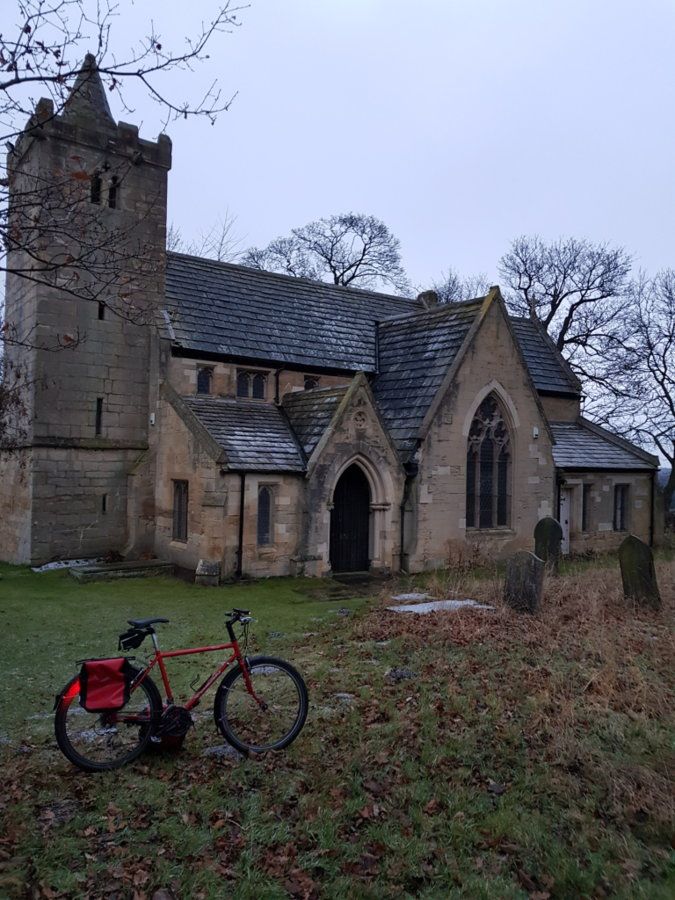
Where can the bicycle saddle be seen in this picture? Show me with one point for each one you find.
(144, 623)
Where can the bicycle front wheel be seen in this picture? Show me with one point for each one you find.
(270, 714)
(99, 741)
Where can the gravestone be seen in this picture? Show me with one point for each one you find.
(524, 582)
(638, 573)
(547, 541)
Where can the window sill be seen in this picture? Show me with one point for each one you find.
(500, 530)
(181, 545)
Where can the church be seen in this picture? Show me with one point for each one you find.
(273, 425)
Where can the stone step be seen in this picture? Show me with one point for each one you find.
(137, 568)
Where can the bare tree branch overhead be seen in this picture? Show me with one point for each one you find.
(348, 249)
(452, 288)
(220, 242)
(60, 60)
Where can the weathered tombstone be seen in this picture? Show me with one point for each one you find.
(638, 573)
(524, 581)
(207, 573)
(547, 541)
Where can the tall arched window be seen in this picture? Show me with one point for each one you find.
(264, 516)
(488, 468)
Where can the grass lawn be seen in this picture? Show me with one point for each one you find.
(525, 757)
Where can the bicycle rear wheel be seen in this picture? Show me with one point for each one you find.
(96, 742)
(271, 717)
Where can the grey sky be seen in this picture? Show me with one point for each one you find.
(460, 123)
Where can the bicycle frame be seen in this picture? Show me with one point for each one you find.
(160, 656)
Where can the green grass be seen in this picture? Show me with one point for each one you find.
(49, 620)
(527, 758)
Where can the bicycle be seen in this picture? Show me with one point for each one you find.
(260, 705)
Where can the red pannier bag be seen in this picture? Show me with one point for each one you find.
(105, 684)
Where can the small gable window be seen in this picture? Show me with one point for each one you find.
(311, 382)
(95, 188)
(204, 379)
(251, 384)
(488, 468)
(113, 192)
(264, 516)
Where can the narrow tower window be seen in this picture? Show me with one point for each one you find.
(95, 188)
(99, 416)
(104, 504)
(113, 192)
(101, 311)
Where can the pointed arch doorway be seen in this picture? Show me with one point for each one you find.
(350, 522)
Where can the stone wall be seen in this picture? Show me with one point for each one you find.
(182, 374)
(600, 535)
(561, 409)
(15, 506)
(71, 517)
(100, 314)
(214, 506)
(436, 518)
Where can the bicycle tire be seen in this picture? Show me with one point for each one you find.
(93, 741)
(243, 722)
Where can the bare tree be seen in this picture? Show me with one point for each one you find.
(647, 414)
(349, 249)
(220, 242)
(575, 288)
(43, 52)
(452, 288)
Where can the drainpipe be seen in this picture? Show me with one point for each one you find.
(411, 470)
(240, 548)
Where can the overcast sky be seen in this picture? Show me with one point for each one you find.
(460, 123)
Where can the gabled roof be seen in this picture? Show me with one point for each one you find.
(311, 412)
(584, 445)
(548, 370)
(247, 313)
(415, 354)
(255, 436)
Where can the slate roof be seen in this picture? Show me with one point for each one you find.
(311, 412)
(415, 353)
(255, 436)
(584, 445)
(549, 372)
(232, 310)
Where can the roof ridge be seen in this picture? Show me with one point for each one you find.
(266, 273)
(444, 308)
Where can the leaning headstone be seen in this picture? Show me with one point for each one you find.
(638, 573)
(548, 541)
(524, 582)
(207, 573)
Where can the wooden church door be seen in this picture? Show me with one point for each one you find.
(350, 522)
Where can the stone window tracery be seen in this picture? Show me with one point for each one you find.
(488, 468)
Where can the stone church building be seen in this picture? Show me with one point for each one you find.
(277, 425)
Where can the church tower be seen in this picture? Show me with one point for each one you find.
(86, 278)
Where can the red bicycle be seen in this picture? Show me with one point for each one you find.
(261, 703)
